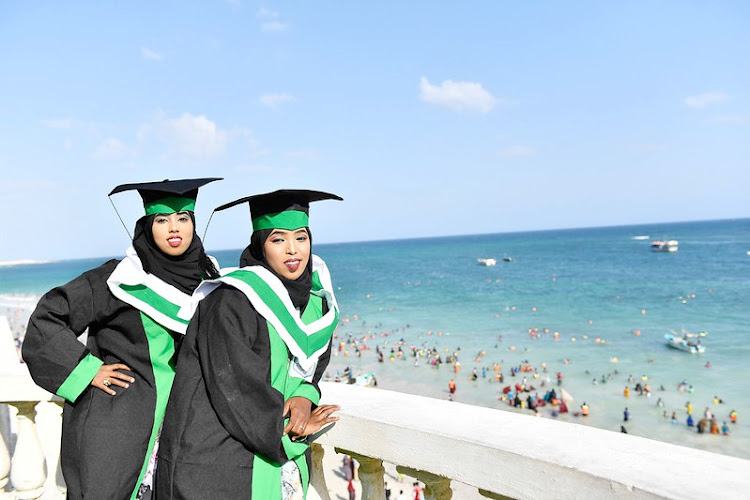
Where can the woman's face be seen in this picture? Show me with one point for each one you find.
(287, 252)
(173, 233)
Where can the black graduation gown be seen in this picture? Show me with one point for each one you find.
(104, 438)
(222, 409)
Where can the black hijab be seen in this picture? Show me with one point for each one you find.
(299, 289)
(185, 271)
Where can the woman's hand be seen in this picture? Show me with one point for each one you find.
(320, 417)
(299, 413)
(108, 376)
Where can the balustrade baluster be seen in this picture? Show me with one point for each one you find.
(28, 470)
(4, 453)
(59, 479)
(435, 487)
(317, 474)
(493, 496)
(371, 476)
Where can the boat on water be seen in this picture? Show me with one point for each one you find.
(363, 380)
(688, 342)
(486, 262)
(641, 237)
(507, 259)
(664, 246)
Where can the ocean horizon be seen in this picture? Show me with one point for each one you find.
(591, 303)
(22, 261)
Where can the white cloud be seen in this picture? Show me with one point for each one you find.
(273, 100)
(266, 13)
(196, 136)
(518, 151)
(273, 26)
(110, 150)
(151, 55)
(458, 96)
(62, 123)
(188, 136)
(701, 101)
(270, 20)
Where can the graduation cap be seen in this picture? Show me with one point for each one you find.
(287, 209)
(167, 196)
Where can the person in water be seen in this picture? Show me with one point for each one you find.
(246, 389)
(116, 385)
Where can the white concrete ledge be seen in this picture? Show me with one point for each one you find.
(522, 456)
(21, 388)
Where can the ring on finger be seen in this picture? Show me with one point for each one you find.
(106, 382)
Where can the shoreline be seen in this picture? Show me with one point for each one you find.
(22, 262)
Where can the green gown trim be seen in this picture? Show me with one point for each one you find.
(79, 378)
(152, 298)
(266, 473)
(161, 351)
(86, 370)
(308, 344)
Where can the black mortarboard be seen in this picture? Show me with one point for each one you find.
(283, 209)
(167, 196)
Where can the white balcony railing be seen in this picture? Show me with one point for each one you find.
(502, 454)
(509, 455)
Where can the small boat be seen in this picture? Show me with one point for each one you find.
(507, 259)
(688, 342)
(664, 246)
(347, 377)
(641, 237)
(486, 262)
(365, 380)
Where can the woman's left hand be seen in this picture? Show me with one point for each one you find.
(299, 413)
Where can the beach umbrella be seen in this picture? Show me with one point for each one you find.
(565, 396)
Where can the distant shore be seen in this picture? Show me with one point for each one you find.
(22, 262)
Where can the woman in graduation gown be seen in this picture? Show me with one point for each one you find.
(244, 399)
(116, 386)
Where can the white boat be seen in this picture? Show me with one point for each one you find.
(664, 246)
(364, 380)
(641, 237)
(688, 342)
(486, 262)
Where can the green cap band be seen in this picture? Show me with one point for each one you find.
(288, 219)
(170, 205)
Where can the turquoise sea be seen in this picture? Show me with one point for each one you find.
(608, 297)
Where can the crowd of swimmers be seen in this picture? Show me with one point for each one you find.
(521, 394)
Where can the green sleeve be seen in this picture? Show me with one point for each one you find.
(79, 378)
(305, 390)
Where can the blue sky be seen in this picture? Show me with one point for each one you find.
(429, 118)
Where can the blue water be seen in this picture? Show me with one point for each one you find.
(584, 284)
